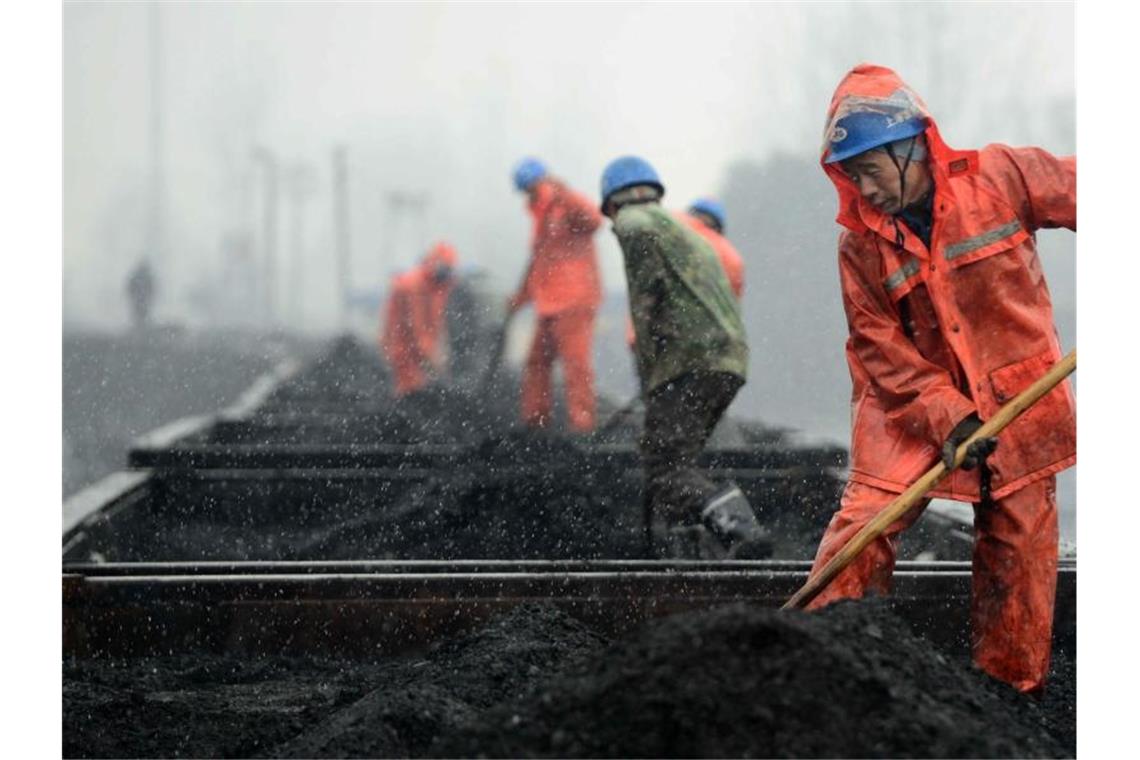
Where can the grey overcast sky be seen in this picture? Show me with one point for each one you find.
(443, 98)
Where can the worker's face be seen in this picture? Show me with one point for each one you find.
(879, 180)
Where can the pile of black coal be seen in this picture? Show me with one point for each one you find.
(345, 374)
(200, 705)
(734, 681)
(741, 681)
(451, 685)
(229, 706)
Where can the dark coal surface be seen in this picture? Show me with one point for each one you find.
(735, 681)
(345, 374)
(344, 396)
(451, 685)
(310, 707)
(523, 495)
(742, 681)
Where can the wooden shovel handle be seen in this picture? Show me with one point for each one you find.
(909, 498)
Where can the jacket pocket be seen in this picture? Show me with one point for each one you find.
(1012, 379)
(1042, 435)
(997, 239)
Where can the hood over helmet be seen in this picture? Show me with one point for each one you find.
(873, 90)
(441, 254)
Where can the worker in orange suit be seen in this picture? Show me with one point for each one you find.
(414, 322)
(563, 282)
(706, 216)
(949, 317)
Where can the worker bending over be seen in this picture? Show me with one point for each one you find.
(414, 320)
(949, 317)
(562, 281)
(692, 359)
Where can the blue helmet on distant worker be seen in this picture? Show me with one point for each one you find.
(712, 208)
(527, 172)
(628, 171)
(861, 131)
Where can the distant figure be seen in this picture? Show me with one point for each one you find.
(140, 292)
(563, 282)
(415, 320)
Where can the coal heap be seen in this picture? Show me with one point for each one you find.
(735, 681)
(742, 681)
(226, 706)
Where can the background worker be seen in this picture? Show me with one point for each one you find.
(563, 282)
(692, 357)
(140, 292)
(414, 320)
(706, 216)
(949, 317)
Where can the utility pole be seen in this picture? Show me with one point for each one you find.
(398, 204)
(269, 234)
(341, 225)
(154, 238)
(301, 184)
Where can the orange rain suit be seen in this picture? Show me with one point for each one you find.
(414, 322)
(564, 284)
(936, 335)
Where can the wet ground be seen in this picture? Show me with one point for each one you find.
(119, 386)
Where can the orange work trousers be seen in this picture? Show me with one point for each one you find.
(1014, 573)
(567, 336)
(408, 372)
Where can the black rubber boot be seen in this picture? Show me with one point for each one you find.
(730, 518)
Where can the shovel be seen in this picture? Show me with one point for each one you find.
(496, 354)
(917, 492)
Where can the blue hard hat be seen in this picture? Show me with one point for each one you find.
(628, 171)
(860, 131)
(708, 206)
(527, 172)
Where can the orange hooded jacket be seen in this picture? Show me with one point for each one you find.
(414, 321)
(563, 271)
(980, 325)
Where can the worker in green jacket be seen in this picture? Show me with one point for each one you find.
(692, 358)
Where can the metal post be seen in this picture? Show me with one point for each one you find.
(155, 242)
(269, 239)
(340, 222)
(300, 189)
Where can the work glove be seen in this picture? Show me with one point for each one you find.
(977, 452)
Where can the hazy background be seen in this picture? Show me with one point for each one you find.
(166, 109)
